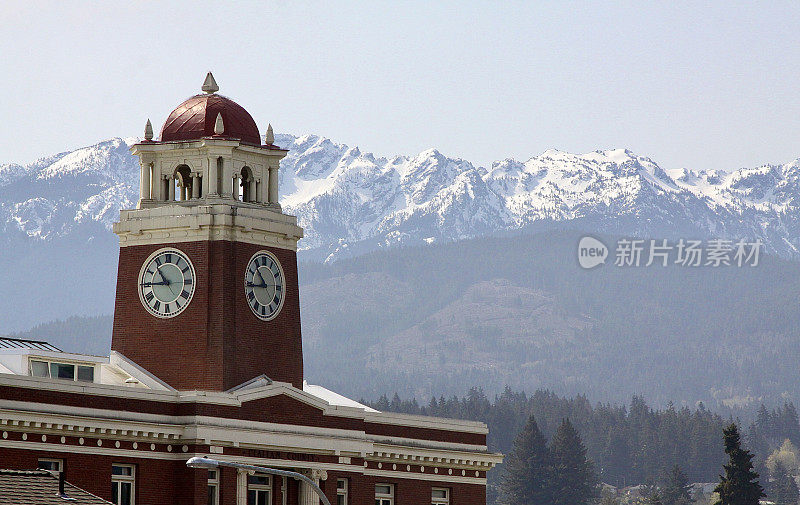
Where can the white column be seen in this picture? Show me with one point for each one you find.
(196, 182)
(171, 189)
(273, 184)
(252, 191)
(307, 494)
(163, 192)
(213, 176)
(234, 182)
(144, 182)
(241, 487)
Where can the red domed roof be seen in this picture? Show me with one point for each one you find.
(195, 118)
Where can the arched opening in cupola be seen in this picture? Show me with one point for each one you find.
(246, 185)
(182, 179)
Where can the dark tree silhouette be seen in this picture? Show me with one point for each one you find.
(739, 485)
(676, 488)
(573, 477)
(527, 477)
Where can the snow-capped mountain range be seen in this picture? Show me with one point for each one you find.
(350, 202)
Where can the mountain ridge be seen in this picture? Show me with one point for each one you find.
(349, 201)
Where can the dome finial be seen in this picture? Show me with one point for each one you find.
(210, 85)
(148, 131)
(219, 127)
(270, 136)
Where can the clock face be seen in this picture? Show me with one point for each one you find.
(264, 285)
(166, 282)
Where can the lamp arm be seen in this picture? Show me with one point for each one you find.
(198, 462)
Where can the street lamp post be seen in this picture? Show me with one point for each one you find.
(211, 464)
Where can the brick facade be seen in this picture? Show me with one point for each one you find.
(161, 482)
(216, 343)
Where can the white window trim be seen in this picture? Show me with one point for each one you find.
(126, 478)
(440, 501)
(50, 361)
(260, 487)
(343, 491)
(385, 496)
(215, 484)
(53, 460)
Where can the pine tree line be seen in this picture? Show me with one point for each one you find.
(771, 428)
(538, 474)
(629, 445)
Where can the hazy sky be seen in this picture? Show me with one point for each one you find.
(703, 85)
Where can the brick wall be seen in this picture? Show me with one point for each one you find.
(157, 482)
(160, 482)
(217, 342)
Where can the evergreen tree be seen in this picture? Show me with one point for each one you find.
(783, 489)
(676, 489)
(573, 480)
(527, 477)
(739, 485)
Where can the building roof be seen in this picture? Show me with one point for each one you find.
(195, 119)
(17, 343)
(40, 487)
(333, 398)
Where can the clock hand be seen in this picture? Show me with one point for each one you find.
(145, 284)
(164, 280)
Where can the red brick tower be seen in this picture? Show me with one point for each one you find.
(207, 293)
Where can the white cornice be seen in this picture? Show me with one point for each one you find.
(97, 423)
(435, 423)
(204, 144)
(215, 219)
(425, 476)
(237, 398)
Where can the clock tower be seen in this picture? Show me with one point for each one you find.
(207, 292)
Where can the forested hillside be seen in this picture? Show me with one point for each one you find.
(629, 445)
(519, 311)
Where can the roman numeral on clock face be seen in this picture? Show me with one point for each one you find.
(264, 289)
(166, 283)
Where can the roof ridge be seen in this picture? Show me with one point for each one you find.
(25, 340)
(14, 471)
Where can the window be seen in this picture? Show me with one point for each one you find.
(440, 496)
(66, 371)
(123, 484)
(54, 466)
(384, 494)
(213, 487)
(258, 489)
(341, 492)
(86, 373)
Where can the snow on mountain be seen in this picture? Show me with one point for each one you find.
(53, 196)
(350, 202)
